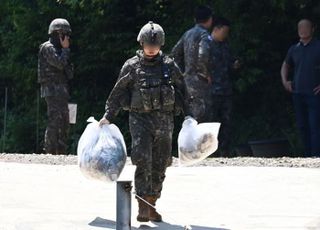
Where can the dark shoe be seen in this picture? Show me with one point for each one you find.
(153, 214)
(143, 215)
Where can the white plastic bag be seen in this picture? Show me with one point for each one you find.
(197, 141)
(101, 151)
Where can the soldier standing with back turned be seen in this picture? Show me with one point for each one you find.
(192, 54)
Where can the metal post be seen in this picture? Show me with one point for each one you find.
(37, 126)
(124, 205)
(5, 119)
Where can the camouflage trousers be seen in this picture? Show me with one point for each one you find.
(221, 111)
(58, 125)
(198, 98)
(151, 135)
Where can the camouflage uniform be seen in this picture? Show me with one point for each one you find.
(54, 71)
(192, 54)
(221, 103)
(152, 91)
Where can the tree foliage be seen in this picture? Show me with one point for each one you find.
(104, 36)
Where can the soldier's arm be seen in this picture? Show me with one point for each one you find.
(234, 63)
(285, 70)
(204, 57)
(54, 59)
(178, 53)
(119, 93)
(126, 68)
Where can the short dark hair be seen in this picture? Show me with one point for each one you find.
(220, 22)
(202, 13)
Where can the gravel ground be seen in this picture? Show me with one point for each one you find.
(216, 162)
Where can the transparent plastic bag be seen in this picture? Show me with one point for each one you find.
(101, 151)
(197, 141)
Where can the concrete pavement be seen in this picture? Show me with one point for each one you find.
(45, 197)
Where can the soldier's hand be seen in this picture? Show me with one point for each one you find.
(64, 41)
(236, 65)
(288, 86)
(316, 90)
(103, 121)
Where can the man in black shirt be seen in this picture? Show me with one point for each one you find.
(303, 59)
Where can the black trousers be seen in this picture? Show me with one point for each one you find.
(221, 111)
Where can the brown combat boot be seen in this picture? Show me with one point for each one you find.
(153, 214)
(143, 215)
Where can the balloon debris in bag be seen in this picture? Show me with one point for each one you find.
(197, 141)
(101, 151)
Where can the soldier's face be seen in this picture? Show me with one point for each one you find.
(221, 34)
(151, 50)
(305, 29)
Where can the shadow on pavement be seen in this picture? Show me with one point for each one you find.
(104, 223)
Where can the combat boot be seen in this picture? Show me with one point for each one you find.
(143, 213)
(153, 214)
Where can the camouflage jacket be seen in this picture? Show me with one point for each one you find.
(192, 53)
(222, 66)
(54, 70)
(146, 85)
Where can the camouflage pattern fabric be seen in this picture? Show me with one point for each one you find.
(58, 125)
(221, 111)
(54, 71)
(221, 91)
(222, 66)
(192, 54)
(151, 135)
(153, 91)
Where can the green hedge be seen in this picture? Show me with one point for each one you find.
(104, 36)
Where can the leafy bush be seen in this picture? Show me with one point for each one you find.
(104, 36)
